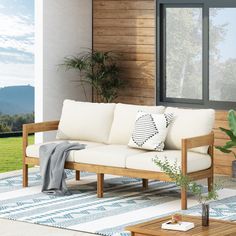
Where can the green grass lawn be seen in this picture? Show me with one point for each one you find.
(11, 153)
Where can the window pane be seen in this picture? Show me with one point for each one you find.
(222, 54)
(184, 53)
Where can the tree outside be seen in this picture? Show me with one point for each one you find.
(184, 53)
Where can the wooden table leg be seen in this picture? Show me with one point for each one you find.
(210, 183)
(25, 175)
(100, 181)
(183, 199)
(77, 175)
(145, 183)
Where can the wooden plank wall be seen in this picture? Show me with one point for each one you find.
(223, 162)
(128, 28)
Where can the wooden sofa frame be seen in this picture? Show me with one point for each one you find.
(188, 143)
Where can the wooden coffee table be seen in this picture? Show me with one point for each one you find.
(153, 228)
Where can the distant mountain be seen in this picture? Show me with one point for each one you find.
(17, 100)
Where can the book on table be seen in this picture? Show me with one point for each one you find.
(180, 226)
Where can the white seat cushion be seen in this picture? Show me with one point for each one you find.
(124, 120)
(196, 161)
(189, 123)
(108, 155)
(33, 150)
(86, 121)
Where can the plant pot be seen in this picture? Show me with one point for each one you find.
(234, 169)
(205, 214)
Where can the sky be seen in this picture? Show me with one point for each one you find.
(16, 42)
(228, 46)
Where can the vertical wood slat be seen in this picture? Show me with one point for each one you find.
(223, 161)
(128, 28)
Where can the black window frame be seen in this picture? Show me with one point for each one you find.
(161, 98)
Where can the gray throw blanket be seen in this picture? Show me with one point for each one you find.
(52, 161)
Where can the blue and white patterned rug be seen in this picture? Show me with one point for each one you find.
(124, 203)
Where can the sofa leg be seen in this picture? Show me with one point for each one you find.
(77, 175)
(25, 175)
(145, 183)
(210, 183)
(183, 199)
(100, 181)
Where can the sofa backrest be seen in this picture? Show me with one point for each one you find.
(114, 123)
(189, 123)
(86, 121)
(124, 120)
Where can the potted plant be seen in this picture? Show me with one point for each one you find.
(231, 133)
(98, 69)
(196, 189)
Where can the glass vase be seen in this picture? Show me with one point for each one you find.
(205, 214)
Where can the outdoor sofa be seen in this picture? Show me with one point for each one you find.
(106, 130)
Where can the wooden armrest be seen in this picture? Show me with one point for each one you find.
(40, 127)
(34, 128)
(188, 143)
(205, 140)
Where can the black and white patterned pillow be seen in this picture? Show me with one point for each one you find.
(150, 131)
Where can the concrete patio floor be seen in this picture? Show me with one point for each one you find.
(16, 228)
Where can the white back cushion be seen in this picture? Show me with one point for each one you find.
(85, 121)
(189, 123)
(124, 120)
(150, 131)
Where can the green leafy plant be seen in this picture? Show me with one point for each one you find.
(184, 181)
(231, 133)
(98, 69)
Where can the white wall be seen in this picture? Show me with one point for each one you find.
(63, 28)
